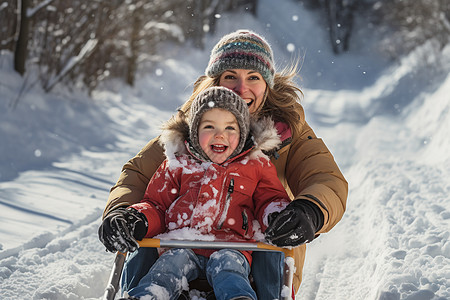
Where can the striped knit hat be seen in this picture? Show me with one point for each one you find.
(218, 97)
(242, 49)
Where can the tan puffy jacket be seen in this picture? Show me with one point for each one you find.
(305, 167)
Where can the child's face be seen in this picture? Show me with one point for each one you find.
(218, 134)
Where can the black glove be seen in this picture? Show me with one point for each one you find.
(295, 225)
(121, 228)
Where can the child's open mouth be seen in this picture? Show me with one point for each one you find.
(250, 103)
(219, 148)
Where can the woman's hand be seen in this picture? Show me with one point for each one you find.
(121, 228)
(295, 225)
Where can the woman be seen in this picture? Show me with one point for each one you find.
(243, 62)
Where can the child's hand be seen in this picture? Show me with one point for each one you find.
(121, 228)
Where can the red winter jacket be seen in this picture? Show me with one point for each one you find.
(221, 200)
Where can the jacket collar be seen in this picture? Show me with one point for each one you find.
(283, 130)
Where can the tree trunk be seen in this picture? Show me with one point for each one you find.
(21, 51)
(134, 48)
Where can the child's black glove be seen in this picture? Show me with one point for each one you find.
(295, 225)
(121, 228)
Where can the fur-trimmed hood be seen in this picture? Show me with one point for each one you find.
(175, 133)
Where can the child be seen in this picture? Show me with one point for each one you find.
(217, 180)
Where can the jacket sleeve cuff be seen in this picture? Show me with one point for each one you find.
(156, 222)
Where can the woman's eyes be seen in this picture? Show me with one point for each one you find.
(255, 78)
(233, 77)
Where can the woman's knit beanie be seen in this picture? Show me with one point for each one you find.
(242, 49)
(218, 97)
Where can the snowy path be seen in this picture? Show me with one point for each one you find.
(50, 217)
(73, 265)
(393, 241)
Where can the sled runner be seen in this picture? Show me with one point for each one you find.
(114, 279)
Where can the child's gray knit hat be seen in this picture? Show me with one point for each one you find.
(224, 98)
(242, 49)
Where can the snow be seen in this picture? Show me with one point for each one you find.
(385, 122)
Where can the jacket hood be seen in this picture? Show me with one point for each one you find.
(176, 131)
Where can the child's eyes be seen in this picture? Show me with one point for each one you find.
(230, 127)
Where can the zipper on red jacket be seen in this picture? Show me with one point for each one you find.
(227, 204)
(245, 221)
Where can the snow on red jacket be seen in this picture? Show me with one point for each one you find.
(221, 200)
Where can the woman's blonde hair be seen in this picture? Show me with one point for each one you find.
(281, 103)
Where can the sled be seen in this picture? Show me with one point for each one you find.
(113, 283)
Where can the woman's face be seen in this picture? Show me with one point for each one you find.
(248, 84)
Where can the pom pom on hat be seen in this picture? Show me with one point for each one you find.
(242, 49)
(218, 97)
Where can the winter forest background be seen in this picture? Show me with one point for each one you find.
(90, 41)
(85, 84)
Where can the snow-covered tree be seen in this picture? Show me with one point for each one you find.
(73, 41)
(411, 23)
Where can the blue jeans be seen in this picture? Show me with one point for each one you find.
(226, 270)
(267, 271)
